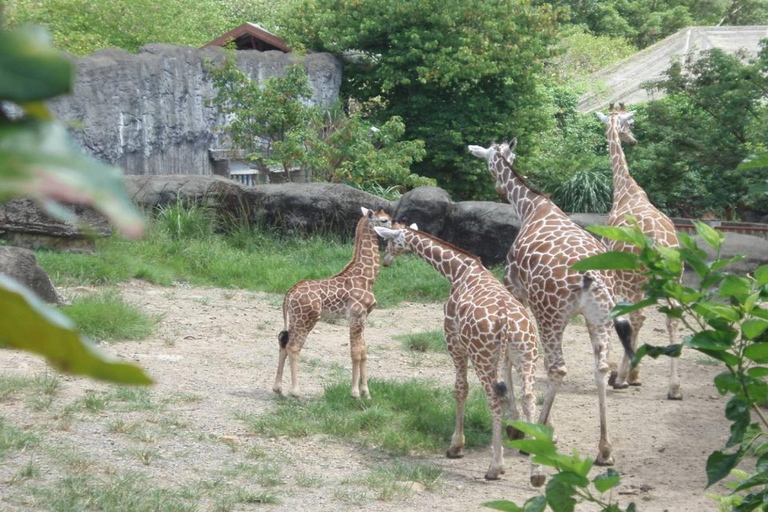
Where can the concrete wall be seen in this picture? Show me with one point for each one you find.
(147, 112)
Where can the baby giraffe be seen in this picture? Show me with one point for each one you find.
(483, 323)
(347, 294)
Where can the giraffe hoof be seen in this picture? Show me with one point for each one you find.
(604, 461)
(492, 475)
(454, 454)
(623, 385)
(674, 395)
(538, 480)
(636, 383)
(514, 434)
(277, 390)
(612, 378)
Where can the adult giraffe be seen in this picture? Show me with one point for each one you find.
(347, 294)
(631, 202)
(484, 324)
(539, 273)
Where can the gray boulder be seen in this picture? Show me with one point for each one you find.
(483, 228)
(428, 207)
(21, 265)
(25, 224)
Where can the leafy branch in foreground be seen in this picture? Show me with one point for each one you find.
(38, 160)
(728, 317)
(570, 485)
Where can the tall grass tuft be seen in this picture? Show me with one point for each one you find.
(105, 316)
(402, 417)
(588, 191)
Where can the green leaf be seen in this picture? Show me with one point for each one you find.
(737, 410)
(761, 275)
(630, 235)
(535, 430)
(754, 162)
(624, 308)
(752, 481)
(612, 260)
(607, 480)
(655, 352)
(753, 327)
(719, 465)
(29, 324)
(726, 382)
(735, 286)
(710, 309)
(725, 357)
(39, 160)
(711, 236)
(758, 372)
(757, 352)
(505, 506)
(710, 340)
(560, 495)
(534, 446)
(717, 265)
(30, 68)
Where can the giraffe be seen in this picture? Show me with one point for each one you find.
(483, 324)
(539, 274)
(347, 294)
(631, 202)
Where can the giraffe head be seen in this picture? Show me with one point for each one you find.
(496, 156)
(621, 120)
(377, 218)
(395, 238)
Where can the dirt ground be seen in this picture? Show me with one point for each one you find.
(220, 346)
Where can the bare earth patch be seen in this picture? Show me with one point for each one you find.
(214, 356)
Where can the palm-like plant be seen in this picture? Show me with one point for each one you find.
(588, 191)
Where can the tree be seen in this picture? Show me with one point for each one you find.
(274, 124)
(456, 73)
(692, 141)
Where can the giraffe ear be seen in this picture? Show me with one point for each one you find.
(366, 211)
(414, 227)
(512, 144)
(385, 232)
(602, 117)
(478, 151)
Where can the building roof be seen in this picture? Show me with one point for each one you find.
(250, 36)
(623, 81)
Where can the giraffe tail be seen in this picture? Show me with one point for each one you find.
(283, 338)
(624, 330)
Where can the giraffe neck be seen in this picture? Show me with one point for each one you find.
(366, 259)
(447, 259)
(623, 183)
(517, 192)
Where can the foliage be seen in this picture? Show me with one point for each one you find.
(39, 161)
(585, 192)
(274, 125)
(106, 317)
(83, 26)
(570, 485)
(692, 141)
(729, 321)
(456, 73)
(646, 21)
(582, 53)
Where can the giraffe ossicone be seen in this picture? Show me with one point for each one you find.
(348, 294)
(483, 323)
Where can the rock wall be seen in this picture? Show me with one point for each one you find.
(148, 112)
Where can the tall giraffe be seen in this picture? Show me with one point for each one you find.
(631, 201)
(539, 274)
(347, 294)
(483, 323)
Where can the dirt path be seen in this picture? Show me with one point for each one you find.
(214, 356)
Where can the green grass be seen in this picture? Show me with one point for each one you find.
(12, 438)
(428, 341)
(402, 418)
(202, 253)
(391, 482)
(105, 316)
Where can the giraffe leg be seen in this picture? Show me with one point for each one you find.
(493, 393)
(461, 389)
(278, 386)
(511, 405)
(297, 337)
(527, 372)
(600, 335)
(551, 339)
(674, 392)
(359, 356)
